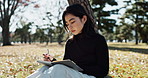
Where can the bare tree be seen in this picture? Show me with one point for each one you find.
(7, 8)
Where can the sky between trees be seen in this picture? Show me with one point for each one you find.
(35, 15)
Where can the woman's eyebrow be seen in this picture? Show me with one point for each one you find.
(70, 19)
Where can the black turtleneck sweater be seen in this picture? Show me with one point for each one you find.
(90, 53)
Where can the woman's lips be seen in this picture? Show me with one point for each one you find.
(73, 30)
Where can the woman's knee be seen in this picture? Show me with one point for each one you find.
(58, 67)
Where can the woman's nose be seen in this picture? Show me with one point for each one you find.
(70, 26)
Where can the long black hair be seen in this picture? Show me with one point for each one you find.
(79, 11)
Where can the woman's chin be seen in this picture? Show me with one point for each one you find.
(75, 33)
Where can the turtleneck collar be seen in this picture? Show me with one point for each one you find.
(78, 36)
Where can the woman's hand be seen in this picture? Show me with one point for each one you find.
(47, 57)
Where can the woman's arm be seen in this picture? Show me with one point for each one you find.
(102, 58)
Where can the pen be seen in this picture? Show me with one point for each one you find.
(47, 51)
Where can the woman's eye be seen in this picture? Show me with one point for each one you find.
(72, 22)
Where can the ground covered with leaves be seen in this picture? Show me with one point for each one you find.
(127, 60)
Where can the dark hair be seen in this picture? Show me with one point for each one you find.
(79, 11)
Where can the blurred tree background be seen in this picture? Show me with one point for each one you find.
(136, 29)
(132, 25)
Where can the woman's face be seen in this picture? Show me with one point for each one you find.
(75, 24)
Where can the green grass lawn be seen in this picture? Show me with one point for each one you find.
(127, 60)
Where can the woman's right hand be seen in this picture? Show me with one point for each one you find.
(47, 57)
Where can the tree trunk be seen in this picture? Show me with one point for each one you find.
(22, 37)
(60, 39)
(125, 40)
(51, 40)
(25, 39)
(5, 31)
(47, 42)
(136, 28)
(145, 39)
(29, 38)
(87, 7)
(136, 36)
(6, 36)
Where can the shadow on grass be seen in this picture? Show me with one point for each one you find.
(108, 76)
(8, 56)
(136, 50)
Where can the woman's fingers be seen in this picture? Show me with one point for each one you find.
(47, 57)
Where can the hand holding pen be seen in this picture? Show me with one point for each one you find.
(48, 57)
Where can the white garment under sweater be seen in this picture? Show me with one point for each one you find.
(58, 71)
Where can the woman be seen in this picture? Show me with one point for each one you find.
(86, 48)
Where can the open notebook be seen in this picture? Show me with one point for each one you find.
(68, 63)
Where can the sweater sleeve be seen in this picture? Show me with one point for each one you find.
(102, 67)
(66, 55)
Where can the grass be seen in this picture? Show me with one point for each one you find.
(127, 60)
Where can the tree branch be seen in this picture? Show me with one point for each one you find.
(8, 7)
(2, 16)
(14, 6)
(4, 7)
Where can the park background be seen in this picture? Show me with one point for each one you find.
(29, 27)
